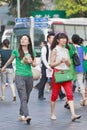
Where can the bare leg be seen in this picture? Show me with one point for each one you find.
(86, 91)
(73, 115)
(13, 91)
(53, 110)
(84, 96)
(47, 85)
(3, 92)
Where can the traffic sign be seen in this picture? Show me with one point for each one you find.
(40, 19)
(38, 22)
(41, 25)
(18, 20)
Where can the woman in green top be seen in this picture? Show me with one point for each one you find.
(85, 67)
(71, 49)
(24, 80)
(72, 67)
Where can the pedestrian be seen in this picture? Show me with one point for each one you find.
(5, 53)
(60, 60)
(24, 56)
(85, 67)
(45, 57)
(43, 43)
(85, 72)
(72, 50)
(48, 83)
(80, 68)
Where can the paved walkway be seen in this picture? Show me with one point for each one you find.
(40, 112)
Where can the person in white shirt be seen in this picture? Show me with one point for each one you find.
(45, 60)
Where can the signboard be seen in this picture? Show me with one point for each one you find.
(18, 20)
(38, 22)
(41, 20)
(49, 14)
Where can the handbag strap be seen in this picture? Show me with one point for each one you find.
(75, 49)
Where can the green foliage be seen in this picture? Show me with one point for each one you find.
(11, 23)
(33, 6)
(72, 7)
(27, 7)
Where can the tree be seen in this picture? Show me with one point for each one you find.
(73, 7)
(27, 6)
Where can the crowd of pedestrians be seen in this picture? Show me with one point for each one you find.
(56, 54)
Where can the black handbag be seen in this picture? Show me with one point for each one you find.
(76, 59)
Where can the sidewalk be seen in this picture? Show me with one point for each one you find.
(40, 112)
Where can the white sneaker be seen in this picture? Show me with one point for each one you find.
(2, 98)
(22, 118)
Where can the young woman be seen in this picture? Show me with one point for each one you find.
(5, 53)
(80, 68)
(24, 80)
(60, 60)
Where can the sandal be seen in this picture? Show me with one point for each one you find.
(76, 117)
(83, 102)
(53, 117)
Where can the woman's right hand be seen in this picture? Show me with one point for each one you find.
(3, 69)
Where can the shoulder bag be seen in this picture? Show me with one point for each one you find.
(75, 57)
(63, 76)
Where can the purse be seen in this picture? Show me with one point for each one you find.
(63, 76)
(75, 57)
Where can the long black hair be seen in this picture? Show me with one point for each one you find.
(57, 37)
(30, 50)
(5, 43)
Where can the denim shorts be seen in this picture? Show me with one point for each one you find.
(7, 75)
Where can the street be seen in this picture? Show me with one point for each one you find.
(40, 113)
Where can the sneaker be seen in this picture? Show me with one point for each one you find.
(28, 119)
(25, 119)
(14, 98)
(42, 98)
(6, 84)
(2, 98)
(62, 96)
(66, 106)
(22, 118)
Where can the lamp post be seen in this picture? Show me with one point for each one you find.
(18, 8)
(32, 30)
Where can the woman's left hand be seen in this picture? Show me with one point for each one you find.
(30, 61)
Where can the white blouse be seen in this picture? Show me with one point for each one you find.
(61, 52)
